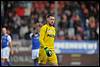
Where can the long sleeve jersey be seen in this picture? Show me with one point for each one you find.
(47, 36)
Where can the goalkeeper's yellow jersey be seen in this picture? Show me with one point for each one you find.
(47, 36)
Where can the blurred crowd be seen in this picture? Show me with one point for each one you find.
(75, 20)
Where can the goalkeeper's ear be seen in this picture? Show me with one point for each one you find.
(48, 19)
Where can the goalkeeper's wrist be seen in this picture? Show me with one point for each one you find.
(48, 52)
(45, 47)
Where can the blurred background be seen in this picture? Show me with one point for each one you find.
(77, 26)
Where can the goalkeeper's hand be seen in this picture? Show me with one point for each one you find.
(48, 52)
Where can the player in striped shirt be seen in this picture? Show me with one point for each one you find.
(6, 47)
(35, 44)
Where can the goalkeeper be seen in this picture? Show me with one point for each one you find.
(47, 36)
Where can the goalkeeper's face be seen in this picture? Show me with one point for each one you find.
(51, 20)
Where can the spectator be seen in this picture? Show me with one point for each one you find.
(76, 20)
(23, 30)
(92, 28)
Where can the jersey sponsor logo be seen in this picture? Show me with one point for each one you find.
(50, 31)
(51, 35)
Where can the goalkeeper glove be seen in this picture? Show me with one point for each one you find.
(48, 52)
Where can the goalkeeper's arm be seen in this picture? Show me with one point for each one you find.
(41, 39)
(43, 45)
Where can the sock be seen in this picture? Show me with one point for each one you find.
(36, 64)
(6, 64)
(2, 63)
(9, 63)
